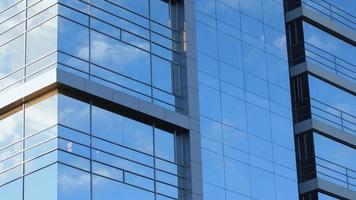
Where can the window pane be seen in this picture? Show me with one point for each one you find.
(209, 102)
(107, 125)
(230, 51)
(213, 168)
(162, 74)
(138, 136)
(207, 40)
(40, 114)
(252, 65)
(140, 7)
(262, 184)
(10, 127)
(74, 113)
(120, 57)
(12, 56)
(237, 179)
(109, 190)
(11, 191)
(160, 12)
(42, 184)
(73, 39)
(233, 112)
(164, 145)
(73, 184)
(36, 47)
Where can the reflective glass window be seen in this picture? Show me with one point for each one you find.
(213, 168)
(233, 111)
(35, 37)
(282, 131)
(6, 3)
(235, 138)
(132, 62)
(252, 64)
(332, 95)
(209, 102)
(74, 113)
(138, 136)
(232, 75)
(258, 121)
(207, 40)
(252, 26)
(12, 56)
(262, 184)
(42, 184)
(273, 14)
(140, 7)
(162, 74)
(212, 192)
(211, 129)
(279, 95)
(230, 50)
(160, 12)
(11, 191)
(40, 114)
(164, 145)
(256, 85)
(228, 14)
(252, 8)
(238, 176)
(207, 64)
(108, 189)
(278, 71)
(73, 184)
(73, 39)
(11, 127)
(327, 44)
(206, 6)
(334, 152)
(322, 196)
(107, 125)
(286, 188)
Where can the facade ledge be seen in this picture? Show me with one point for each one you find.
(326, 186)
(57, 78)
(326, 130)
(331, 77)
(322, 22)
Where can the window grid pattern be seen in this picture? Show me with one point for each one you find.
(155, 172)
(105, 41)
(245, 110)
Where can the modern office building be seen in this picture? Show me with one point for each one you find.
(321, 41)
(177, 99)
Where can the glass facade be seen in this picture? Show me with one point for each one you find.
(177, 99)
(245, 111)
(78, 150)
(324, 95)
(120, 44)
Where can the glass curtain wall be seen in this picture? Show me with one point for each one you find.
(131, 46)
(246, 123)
(60, 147)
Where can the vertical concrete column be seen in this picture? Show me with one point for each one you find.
(190, 103)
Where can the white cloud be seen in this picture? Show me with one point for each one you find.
(115, 52)
(280, 42)
(316, 41)
(11, 129)
(69, 182)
